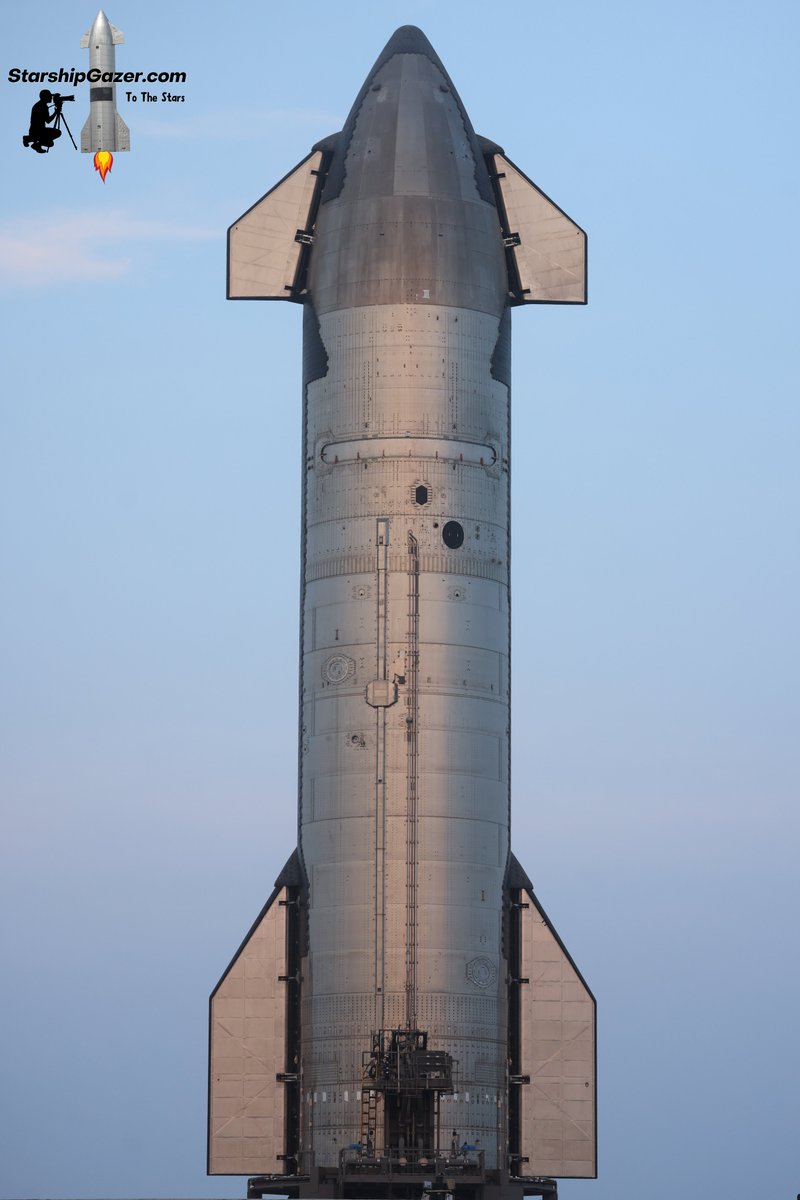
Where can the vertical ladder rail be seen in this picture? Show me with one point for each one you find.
(382, 602)
(412, 772)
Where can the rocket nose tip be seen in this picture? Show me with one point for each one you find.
(408, 39)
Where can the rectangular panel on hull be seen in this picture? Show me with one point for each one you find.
(557, 1109)
(264, 245)
(246, 1104)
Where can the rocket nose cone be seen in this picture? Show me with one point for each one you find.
(101, 29)
(407, 208)
(408, 132)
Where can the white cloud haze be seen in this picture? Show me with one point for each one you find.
(62, 247)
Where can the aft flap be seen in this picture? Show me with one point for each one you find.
(546, 248)
(266, 243)
(557, 1106)
(123, 133)
(246, 1100)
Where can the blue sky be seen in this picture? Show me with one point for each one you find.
(149, 499)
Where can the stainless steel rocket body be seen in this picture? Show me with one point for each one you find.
(404, 820)
(104, 128)
(403, 1000)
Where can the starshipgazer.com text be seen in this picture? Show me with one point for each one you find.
(75, 77)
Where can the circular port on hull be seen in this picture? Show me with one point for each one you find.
(453, 535)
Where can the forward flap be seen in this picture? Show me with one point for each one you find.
(117, 37)
(546, 248)
(266, 243)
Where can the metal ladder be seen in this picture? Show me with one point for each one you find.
(369, 1115)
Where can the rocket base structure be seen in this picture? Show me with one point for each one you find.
(402, 1015)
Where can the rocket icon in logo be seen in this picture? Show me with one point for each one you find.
(105, 132)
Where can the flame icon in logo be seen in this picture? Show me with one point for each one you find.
(103, 162)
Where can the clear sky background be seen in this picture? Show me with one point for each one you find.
(149, 551)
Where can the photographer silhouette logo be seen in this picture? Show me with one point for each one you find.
(39, 137)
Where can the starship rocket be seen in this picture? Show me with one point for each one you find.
(104, 128)
(402, 1013)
